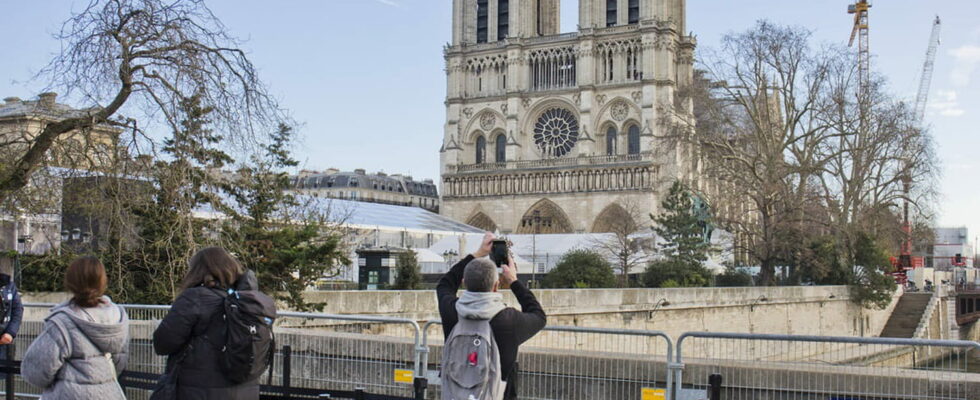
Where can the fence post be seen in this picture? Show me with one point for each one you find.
(287, 355)
(715, 381)
(9, 378)
(359, 393)
(420, 385)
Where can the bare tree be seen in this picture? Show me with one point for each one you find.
(791, 149)
(623, 243)
(143, 57)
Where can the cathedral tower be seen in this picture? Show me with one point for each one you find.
(554, 132)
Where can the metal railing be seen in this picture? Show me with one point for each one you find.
(344, 355)
(325, 351)
(570, 362)
(754, 366)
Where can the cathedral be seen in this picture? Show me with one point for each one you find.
(550, 132)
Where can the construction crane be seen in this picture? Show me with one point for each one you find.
(860, 31)
(905, 260)
(926, 81)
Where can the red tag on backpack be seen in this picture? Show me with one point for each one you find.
(472, 359)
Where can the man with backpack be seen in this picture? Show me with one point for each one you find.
(482, 334)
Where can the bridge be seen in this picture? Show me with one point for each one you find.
(967, 303)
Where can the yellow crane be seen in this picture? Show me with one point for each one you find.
(860, 31)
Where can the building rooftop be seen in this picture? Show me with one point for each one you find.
(45, 106)
(366, 215)
(359, 179)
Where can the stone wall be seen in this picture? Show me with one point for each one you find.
(812, 310)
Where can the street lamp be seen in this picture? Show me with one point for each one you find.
(450, 257)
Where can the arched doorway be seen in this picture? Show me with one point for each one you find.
(614, 218)
(544, 217)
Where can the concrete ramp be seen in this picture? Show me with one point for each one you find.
(906, 316)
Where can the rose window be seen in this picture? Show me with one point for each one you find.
(556, 132)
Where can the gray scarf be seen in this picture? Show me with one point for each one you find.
(479, 305)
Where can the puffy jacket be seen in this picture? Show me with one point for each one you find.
(68, 359)
(195, 320)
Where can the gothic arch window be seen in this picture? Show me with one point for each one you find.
(482, 20)
(614, 218)
(611, 140)
(633, 137)
(481, 150)
(611, 13)
(634, 11)
(482, 221)
(544, 217)
(503, 19)
(500, 148)
(556, 132)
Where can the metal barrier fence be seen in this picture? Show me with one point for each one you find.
(571, 363)
(326, 352)
(760, 366)
(394, 358)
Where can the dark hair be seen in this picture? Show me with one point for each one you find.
(212, 267)
(86, 280)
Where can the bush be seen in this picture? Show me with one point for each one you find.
(580, 269)
(666, 273)
(733, 277)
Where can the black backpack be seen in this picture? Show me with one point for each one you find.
(249, 343)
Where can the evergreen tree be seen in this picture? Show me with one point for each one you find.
(581, 269)
(682, 243)
(170, 233)
(289, 242)
(409, 275)
(679, 229)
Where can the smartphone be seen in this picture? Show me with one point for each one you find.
(499, 253)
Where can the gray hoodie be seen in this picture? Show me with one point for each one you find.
(479, 305)
(70, 359)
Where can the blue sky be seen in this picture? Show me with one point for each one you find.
(366, 80)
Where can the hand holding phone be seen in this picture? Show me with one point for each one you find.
(499, 253)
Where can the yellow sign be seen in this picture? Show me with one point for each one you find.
(653, 394)
(404, 376)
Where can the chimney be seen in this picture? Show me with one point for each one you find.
(359, 171)
(48, 99)
(382, 174)
(11, 100)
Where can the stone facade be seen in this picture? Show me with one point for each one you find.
(561, 128)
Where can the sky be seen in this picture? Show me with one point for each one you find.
(365, 78)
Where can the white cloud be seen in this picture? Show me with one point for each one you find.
(946, 104)
(966, 60)
(391, 3)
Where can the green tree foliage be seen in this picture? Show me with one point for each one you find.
(289, 243)
(409, 274)
(170, 234)
(678, 228)
(682, 245)
(580, 269)
(870, 286)
(666, 273)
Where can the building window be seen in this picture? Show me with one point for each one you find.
(481, 150)
(501, 148)
(633, 137)
(353, 182)
(611, 141)
(503, 19)
(634, 11)
(482, 10)
(611, 12)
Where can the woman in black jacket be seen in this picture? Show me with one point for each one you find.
(194, 317)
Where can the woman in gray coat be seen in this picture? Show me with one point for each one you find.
(83, 346)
